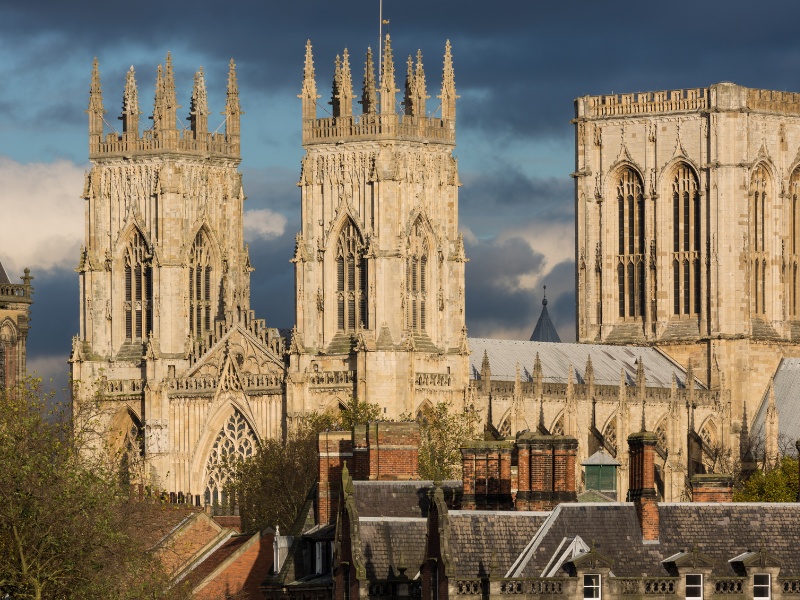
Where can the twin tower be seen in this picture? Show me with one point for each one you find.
(184, 373)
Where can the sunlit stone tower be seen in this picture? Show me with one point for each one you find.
(183, 370)
(379, 261)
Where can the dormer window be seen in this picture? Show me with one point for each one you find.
(694, 587)
(762, 588)
(592, 587)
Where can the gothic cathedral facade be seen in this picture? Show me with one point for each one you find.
(170, 359)
(688, 232)
(379, 261)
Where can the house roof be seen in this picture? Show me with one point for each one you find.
(390, 546)
(488, 542)
(720, 531)
(217, 557)
(400, 498)
(556, 359)
(545, 331)
(601, 457)
(786, 385)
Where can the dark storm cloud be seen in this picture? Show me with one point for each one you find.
(519, 65)
(272, 283)
(54, 314)
(493, 297)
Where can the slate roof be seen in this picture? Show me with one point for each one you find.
(400, 498)
(787, 399)
(3, 275)
(721, 531)
(504, 355)
(390, 544)
(216, 558)
(489, 541)
(545, 331)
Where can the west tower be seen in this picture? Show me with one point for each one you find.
(379, 262)
(183, 370)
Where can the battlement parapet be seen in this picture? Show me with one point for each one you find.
(208, 144)
(637, 103)
(379, 127)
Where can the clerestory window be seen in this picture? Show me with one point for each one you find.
(686, 242)
(201, 300)
(351, 279)
(630, 258)
(138, 305)
(417, 278)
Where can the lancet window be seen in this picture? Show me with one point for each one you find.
(686, 242)
(138, 290)
(351, 279)
(417, 273)
(793, 234)
(200, 286)
(630, 259)
(235, 441)
(759, 199)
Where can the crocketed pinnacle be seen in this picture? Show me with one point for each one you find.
(232, 109)
(308, 94)
(388, 88)
(369, 98)
(130, 104)
(95, 108)
(448, 95)
(198, 107)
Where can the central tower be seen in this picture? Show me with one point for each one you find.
(379, 261)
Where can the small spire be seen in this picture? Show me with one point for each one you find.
(641, 380)
(233, 111)
(388, 89)
(95, 109)
(448, 95)
(198, 107)
(336, 87)
(165, 106)
(346, 87)
(545, 331)
(369, 98)
(419, 81)
(588, 372)
(130, 105)
(409, 99)
(309, 92)
(485, 364)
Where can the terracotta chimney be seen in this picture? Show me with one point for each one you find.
(386, 451)
(641, 483)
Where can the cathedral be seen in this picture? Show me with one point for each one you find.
(687, 279)
(15, 313)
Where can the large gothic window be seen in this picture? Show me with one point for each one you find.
(200, 286)
(235, 441)
(759, 201)
(138, 290)
(793, 234)
(351, 279)
(630, 259)
(417, 278)
(7, 340)
(686, 242)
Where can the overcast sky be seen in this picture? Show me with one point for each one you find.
(519, 66)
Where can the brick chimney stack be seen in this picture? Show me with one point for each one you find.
(486, 467)
(641, 484)
(712, 487)
(386, 451)
(334, 449)
(546, 471)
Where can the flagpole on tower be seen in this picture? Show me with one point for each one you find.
(380, 29)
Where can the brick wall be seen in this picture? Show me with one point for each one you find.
(242, 573)
(486, 468)
(712, 487)
(334, 449)
(545, 471)
(187, 541)
(386, 451)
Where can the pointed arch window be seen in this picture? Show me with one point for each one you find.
(234, 442)
(138, 290)
(686, 241)
(759, 198)
(417, 273)
(630, 258)
(201, 300)
(351, 279)
(793, 234)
